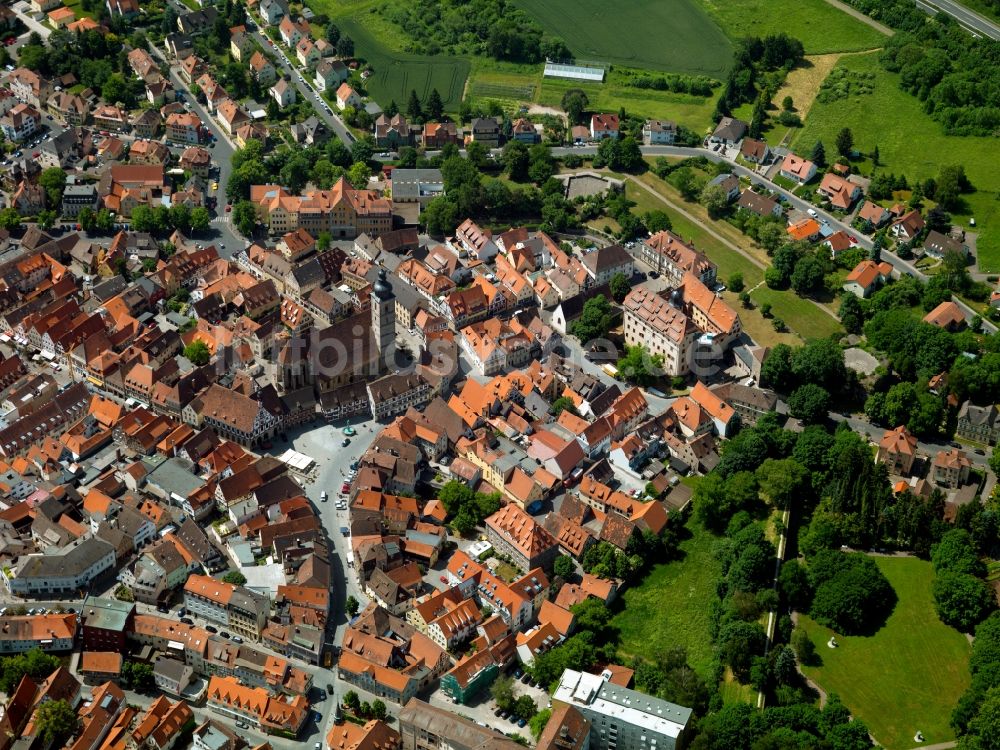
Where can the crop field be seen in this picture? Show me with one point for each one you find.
(398, 73)
(910, 142)
(820, 27)
(674, 35)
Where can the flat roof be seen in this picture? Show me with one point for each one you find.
(575, 72)
(106, 614)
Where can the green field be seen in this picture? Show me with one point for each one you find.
(670, 606)
(396, 73)
(910, 142)
(906, 677)
(674, 35)
(817, 24)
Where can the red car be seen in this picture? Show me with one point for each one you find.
(345, 488)
(444, 579)
(229, 208)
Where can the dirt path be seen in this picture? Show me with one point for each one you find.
(861, 17)
(731, 245)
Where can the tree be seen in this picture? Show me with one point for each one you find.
(736, 283)
(715, 199)
(961, 600)
(620, 287)
(502, 692)
(656, 221)
(542, 164)
(807, 277)
(564, 566)
(787, 104)
(198, 354)
(413, 109)
(525, 707)
(34, 663)
(818, 154)
(851, 314)
(345, 47)
(351, 605)
(809, 403)
(595, 320)
(575, 103)
(351, 700)
(516, 159)
(640, 367)
(55, 720)
(235, 577)
(379, 710)
(739, 642)
(435, 107)
(539, 721)
(359, 174)
(10, 219)
(875, 156)
(782, 480)
(956, 553)
(200, 219)
(564, 403)
(852, 595)
(244, 217)
(53, 180)
(46, 219)
(845, 142)
(138, 675)
(332, 33)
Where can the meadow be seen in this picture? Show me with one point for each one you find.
(820, 27)
(670, 606)
(674, 35)
(911, 143)
(906, 677)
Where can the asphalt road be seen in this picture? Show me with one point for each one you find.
(969, 19)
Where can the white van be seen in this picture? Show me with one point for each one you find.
(323, 496)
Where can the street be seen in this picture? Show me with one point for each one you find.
(971, 20)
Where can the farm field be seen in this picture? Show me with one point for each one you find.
(818, 25)
(910, 142)
(670, 607)
(674, 35)
(907, 676)
(398, 73)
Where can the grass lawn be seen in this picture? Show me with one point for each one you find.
(907, 676)
(670, 606)
(674, 35)
(802, 83)
(910, 142)
(820, 27)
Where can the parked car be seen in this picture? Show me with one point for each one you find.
(187, 621)
(345, 442)
(211, 629)
(224, 634)
(236, 639)
(329, 689)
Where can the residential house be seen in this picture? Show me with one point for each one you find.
(908, 226)
(307, 53)
(330, 74)
(523, 130)
(21, 122)
(486, 130)
(283, 92)
(348, 97)
(841, 193)
(604, 263)
(951, 468)
(762, 205)
(730, 183)
(261, 69)
(897, 450)
(979, 423)
(797, 169)
(603, 126)
(272, 11)
(867, 277)
(659, 132)
(874, 214)
(948, 315)
(938, 245)
(755, 151)
(437, 134)
(517, 536)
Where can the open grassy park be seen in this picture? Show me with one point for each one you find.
(906, 677)
(670, 606)
(910, 142)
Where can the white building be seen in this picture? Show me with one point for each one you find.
(62, 570)
(619, 717)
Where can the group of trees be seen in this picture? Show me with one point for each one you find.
(363, 709)
(522, 706)
(34, 663)
(811, 375)
(594, 641)
(467, 508)
(494, 29)
(976, 718)
(522, 162)
(961, 596)
(748, 79)
(595, 320)
(850, 594)
(161, 219)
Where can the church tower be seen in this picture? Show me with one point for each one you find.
(383, 303)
